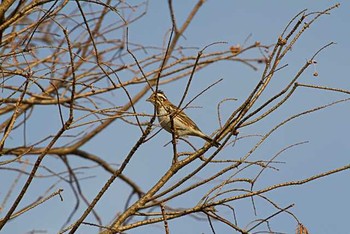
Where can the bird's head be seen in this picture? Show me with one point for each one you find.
(158, 97)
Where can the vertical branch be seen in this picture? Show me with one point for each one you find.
(173, 136)
(166, 226)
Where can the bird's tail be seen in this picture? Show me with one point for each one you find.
(208, 139)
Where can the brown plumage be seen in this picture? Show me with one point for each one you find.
(183, 125)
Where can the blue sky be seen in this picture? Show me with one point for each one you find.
(323, 205)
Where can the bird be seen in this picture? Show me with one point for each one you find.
(182, 124)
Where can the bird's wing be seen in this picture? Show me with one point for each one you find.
(183, 118)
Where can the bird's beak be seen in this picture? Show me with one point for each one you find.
(149, 99)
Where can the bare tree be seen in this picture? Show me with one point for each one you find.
(70, 70)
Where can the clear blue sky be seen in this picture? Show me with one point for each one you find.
(322, 206)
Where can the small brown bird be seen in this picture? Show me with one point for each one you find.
(183, 125)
